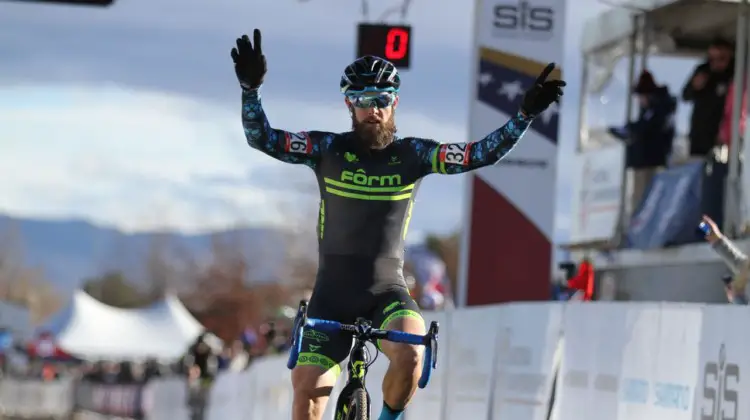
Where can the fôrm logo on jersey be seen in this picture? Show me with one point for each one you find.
(523, 19)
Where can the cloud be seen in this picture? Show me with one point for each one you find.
(141, 159)
(129, 115)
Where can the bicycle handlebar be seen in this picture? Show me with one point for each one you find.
(429, 341)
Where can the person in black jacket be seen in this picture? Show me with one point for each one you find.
(707, 90)
(649, 139)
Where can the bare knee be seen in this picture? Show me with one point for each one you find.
(405, 357)
(312, 382)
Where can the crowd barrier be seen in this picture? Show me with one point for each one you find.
(557, 361)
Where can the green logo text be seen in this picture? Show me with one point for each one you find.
(361, 178)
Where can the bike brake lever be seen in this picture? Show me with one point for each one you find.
(434, 349)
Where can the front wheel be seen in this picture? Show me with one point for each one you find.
(359, 407)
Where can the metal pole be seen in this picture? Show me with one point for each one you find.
(631, 67)
(624, 198)
(582, 106)
(742, 148)
(464, 252)
(645, 41)
(731, 188)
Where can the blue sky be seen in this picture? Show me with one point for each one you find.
(129, 116)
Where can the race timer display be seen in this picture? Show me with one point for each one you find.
(387, 41)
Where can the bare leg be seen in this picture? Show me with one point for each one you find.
(312, 387)
(405, 366)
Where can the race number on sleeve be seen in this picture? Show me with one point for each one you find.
(298, 143)
(455, 153)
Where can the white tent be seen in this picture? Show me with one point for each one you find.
(89, 329)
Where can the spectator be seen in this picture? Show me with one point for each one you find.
(725, 130)
(651, 136)
(735, 259)
(152, 369)
(240, 358)
(732, 297)
(268, 333)
(201, 359)
(707, 89)
(583, 281)
(126, 373)
(110, 373)
(249, 337)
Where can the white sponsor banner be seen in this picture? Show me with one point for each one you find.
(594, 337)
(660, 360)
(723, 393)
(470, 359)
(428, 402)
(234, 395)
(272, 398)
(620, 361)
(597, 194)
(167, 398)
(527, 341)
(527, 35)
(36, 399)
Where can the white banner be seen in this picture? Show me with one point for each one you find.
(660, 361)
(272, 396)
(614, 361)
(166, 398)
(469, 360)
(722, 391)
(428, 402)
(513, 43)
(234, 396)
(32, 398)
(527, 341)
(597, 194)
(587, 386)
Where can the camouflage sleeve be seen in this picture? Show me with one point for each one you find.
(298, 148)
(456, 158)
(735, 259)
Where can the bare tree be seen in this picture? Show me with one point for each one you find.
(11, 258)
(21, 284)
(300, 235)
(161, 268)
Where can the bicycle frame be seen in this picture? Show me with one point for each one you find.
(363, 332)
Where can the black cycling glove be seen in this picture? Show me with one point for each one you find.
(249, 62)
(540, 96)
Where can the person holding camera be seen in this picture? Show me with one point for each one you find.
(737, 261)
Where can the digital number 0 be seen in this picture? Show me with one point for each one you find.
(396, 44)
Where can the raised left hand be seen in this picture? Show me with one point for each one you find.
(540, 96)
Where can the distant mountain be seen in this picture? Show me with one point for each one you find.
(72, 250)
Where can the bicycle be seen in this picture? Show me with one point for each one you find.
(354, 401)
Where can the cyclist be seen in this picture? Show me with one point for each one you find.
(368, 178)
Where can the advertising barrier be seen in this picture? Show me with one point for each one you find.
(110, 399)
(535, 361)
(527, 345)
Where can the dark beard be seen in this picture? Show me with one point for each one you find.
(372, 136)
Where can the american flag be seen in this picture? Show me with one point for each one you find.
(503, 87)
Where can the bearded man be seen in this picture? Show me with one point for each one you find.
(368, 179)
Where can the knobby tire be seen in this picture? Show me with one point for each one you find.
(358, 408)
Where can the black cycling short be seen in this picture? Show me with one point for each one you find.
(328, 350)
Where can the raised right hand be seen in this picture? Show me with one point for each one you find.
(714, 233)
(249, 62)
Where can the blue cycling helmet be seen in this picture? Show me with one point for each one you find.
(370, 74)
